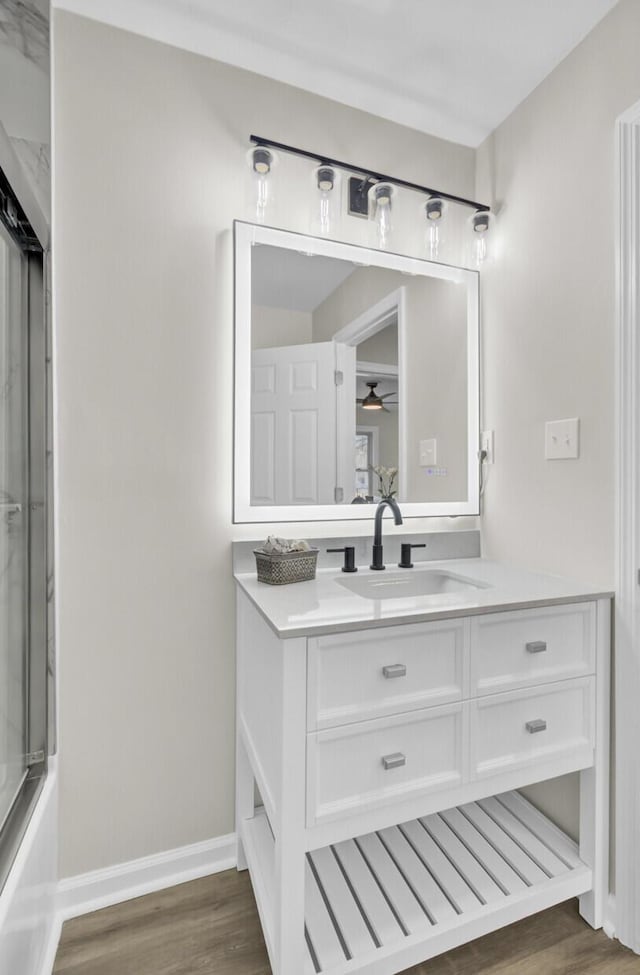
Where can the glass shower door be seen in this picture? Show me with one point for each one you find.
(14, 576)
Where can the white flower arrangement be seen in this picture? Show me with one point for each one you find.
(386, 480)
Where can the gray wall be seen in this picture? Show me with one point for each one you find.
(150, 174)
(549, 317)
(144, 358)
(275, 327)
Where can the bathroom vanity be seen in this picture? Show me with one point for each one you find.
(388, 721)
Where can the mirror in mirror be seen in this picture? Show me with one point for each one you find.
(356, 379)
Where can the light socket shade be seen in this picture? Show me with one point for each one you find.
(480, 224)
(325, 209)
(434, 211)
(261, 162)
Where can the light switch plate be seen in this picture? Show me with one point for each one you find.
(428, 452)
(562, 439)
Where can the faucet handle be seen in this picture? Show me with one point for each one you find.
(349, 557)
(405, 557)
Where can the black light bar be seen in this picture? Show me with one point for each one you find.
(369, 175)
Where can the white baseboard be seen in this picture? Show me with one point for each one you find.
(101, 888)
(609, 926)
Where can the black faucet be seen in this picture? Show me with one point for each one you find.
(376, 559)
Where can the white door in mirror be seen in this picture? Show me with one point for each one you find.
(293, 424)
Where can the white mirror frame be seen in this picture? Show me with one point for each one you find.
(246, 235)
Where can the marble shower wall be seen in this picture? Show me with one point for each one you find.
(25, 89)
(24, 25)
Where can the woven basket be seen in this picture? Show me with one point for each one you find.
(280, 570)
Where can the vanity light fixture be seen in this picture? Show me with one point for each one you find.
(371, 194)
(326, 180)
(380, 212)
(434, 210)
(261, 161)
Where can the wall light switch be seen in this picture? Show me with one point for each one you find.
(428, 451)
(562, 439)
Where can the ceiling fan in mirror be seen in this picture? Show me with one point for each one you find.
(373, 401)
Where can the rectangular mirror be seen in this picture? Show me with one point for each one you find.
(351, 363)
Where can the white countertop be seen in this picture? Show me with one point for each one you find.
(322, 606)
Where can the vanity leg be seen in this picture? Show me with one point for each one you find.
(594, 784)
(244, 797)
(245, 782)
(290, 947)
(290, 859)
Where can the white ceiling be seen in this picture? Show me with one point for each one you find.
(454, 68)
(282, 278)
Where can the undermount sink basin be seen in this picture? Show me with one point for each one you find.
(407, 584)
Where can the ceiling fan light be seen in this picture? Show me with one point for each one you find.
(372, 401)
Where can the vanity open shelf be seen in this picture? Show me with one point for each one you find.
(405, 891)
(389, 754)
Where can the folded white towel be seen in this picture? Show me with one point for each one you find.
(281, 546)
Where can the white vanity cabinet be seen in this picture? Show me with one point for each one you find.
(389, 759)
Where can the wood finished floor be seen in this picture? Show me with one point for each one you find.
(211, 927)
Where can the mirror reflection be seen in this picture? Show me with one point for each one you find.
(358, 382)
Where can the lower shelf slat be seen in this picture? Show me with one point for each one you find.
(401, 898)
(546, 859)
(384, 923)
(343, 904)
(485, 887)
(321, 930)
(509, 850)
(386, 900)
(509, 881)
(446, 873)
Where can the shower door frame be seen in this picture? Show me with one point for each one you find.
(34, 322)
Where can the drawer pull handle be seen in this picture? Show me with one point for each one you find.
(394, 761)
(537, 646)
(394, 670)
(534, 726)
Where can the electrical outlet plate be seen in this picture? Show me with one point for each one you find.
(562, 439)
(487, 443)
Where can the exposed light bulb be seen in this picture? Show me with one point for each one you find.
(380, 212)
(434, 210)
(261, 162)
(327, 200)
(480, 226)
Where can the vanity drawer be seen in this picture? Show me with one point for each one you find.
(522, 728)
(370, 673)
(536, 646)
(358, 767)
